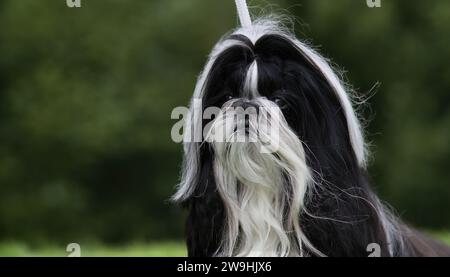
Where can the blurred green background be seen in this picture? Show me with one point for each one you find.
(86, 95)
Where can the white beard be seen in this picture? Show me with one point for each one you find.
(263, 193)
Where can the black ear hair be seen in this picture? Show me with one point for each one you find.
(206, 218)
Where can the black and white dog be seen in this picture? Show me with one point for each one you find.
(311, 195)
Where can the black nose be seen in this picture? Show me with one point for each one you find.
(245, 104)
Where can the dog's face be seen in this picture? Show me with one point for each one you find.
(273, 68)
(268, 197)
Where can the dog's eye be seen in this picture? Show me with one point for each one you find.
(228, 97)
(280, 103)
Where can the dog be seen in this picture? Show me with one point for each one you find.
(310, 196)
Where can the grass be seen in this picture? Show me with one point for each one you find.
(157, 249)
(443, 236)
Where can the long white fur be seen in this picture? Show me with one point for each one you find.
(253, 187)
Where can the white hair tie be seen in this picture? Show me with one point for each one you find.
(244, 14)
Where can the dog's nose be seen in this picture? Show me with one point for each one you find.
(245, 104)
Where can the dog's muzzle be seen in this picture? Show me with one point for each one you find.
(243, 120)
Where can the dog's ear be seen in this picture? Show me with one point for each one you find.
(328, 80)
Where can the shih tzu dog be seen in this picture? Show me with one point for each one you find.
(308, 193)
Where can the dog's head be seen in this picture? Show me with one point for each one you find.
(301, 133)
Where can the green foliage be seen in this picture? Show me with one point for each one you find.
(86, 96)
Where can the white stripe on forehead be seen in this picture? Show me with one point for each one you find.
(250, 89)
